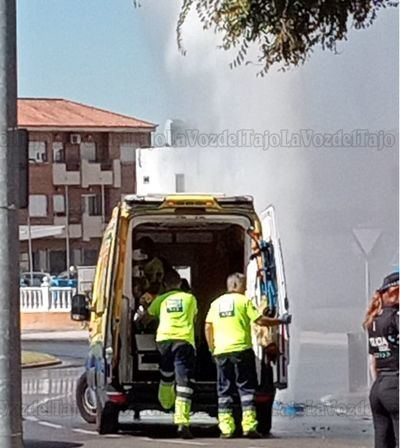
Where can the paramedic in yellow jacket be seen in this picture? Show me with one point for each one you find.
(176, 313)
(228, 334)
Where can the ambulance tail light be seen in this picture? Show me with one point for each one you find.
(117, 397)
(264, 398)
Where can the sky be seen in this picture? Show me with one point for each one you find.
(110, 54)
(103, 53)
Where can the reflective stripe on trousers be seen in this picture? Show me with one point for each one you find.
(247, 402)
(236, 373)
(183, 403)
(177, 366)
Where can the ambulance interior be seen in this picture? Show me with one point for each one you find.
(204, 253)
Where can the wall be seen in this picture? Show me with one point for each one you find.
(48, 322)
(41, 182)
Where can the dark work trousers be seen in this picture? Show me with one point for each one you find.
(236, 372)
(384, 400)
(177, 364)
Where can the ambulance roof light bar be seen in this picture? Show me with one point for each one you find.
(159, 198)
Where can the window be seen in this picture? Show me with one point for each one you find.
(90, 257)
(24, 261)
(179, 183)
(88, 151)
(59, 204)
(37, 205)
(77, 257)
(37, 152)
(91, 205)
(58, 152)
(128, 152)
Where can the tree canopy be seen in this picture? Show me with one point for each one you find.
(285, 31)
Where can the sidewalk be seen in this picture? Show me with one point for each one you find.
(72, 335)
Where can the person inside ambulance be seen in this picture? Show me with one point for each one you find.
(228, 333)
(149, 270)
(382, 324)
(175, 311)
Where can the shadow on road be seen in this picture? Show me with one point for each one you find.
(166, 431)
(49, 444)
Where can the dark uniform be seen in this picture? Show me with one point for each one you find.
(383, 338)
(231, 316)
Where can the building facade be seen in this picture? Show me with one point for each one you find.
(82, 161)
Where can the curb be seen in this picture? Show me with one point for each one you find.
(55, 336)
(33, 365)
(39, 339)
(31, 359)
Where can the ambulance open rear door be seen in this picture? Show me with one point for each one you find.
(270, 235)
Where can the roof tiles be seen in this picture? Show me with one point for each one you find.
(61, 113)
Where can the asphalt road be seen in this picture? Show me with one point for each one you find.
(51, 419)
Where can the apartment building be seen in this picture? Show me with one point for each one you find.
(82, 160)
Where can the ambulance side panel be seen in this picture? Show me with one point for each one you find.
(98, 362)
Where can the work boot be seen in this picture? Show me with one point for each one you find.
(252, 434)
(184, 432)
(226, 435)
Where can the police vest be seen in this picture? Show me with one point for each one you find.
(383, 338)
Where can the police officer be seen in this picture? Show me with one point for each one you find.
(382, 323)
(228, 334)
(176, 312)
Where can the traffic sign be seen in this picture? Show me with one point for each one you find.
(366, 238)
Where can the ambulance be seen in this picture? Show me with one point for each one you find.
(205, 237)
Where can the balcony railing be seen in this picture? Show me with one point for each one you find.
(46, 299)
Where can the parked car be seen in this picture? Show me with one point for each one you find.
(64, 280)
(32, 279)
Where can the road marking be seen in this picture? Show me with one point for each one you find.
(35, 405)
(175, 442)
(113, 436)
(31, 419)
(50, 425)
(84, 431)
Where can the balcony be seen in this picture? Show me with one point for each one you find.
(74, 230)
(93, 174)
(92, 226)
(61, 176)
(88, 173)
